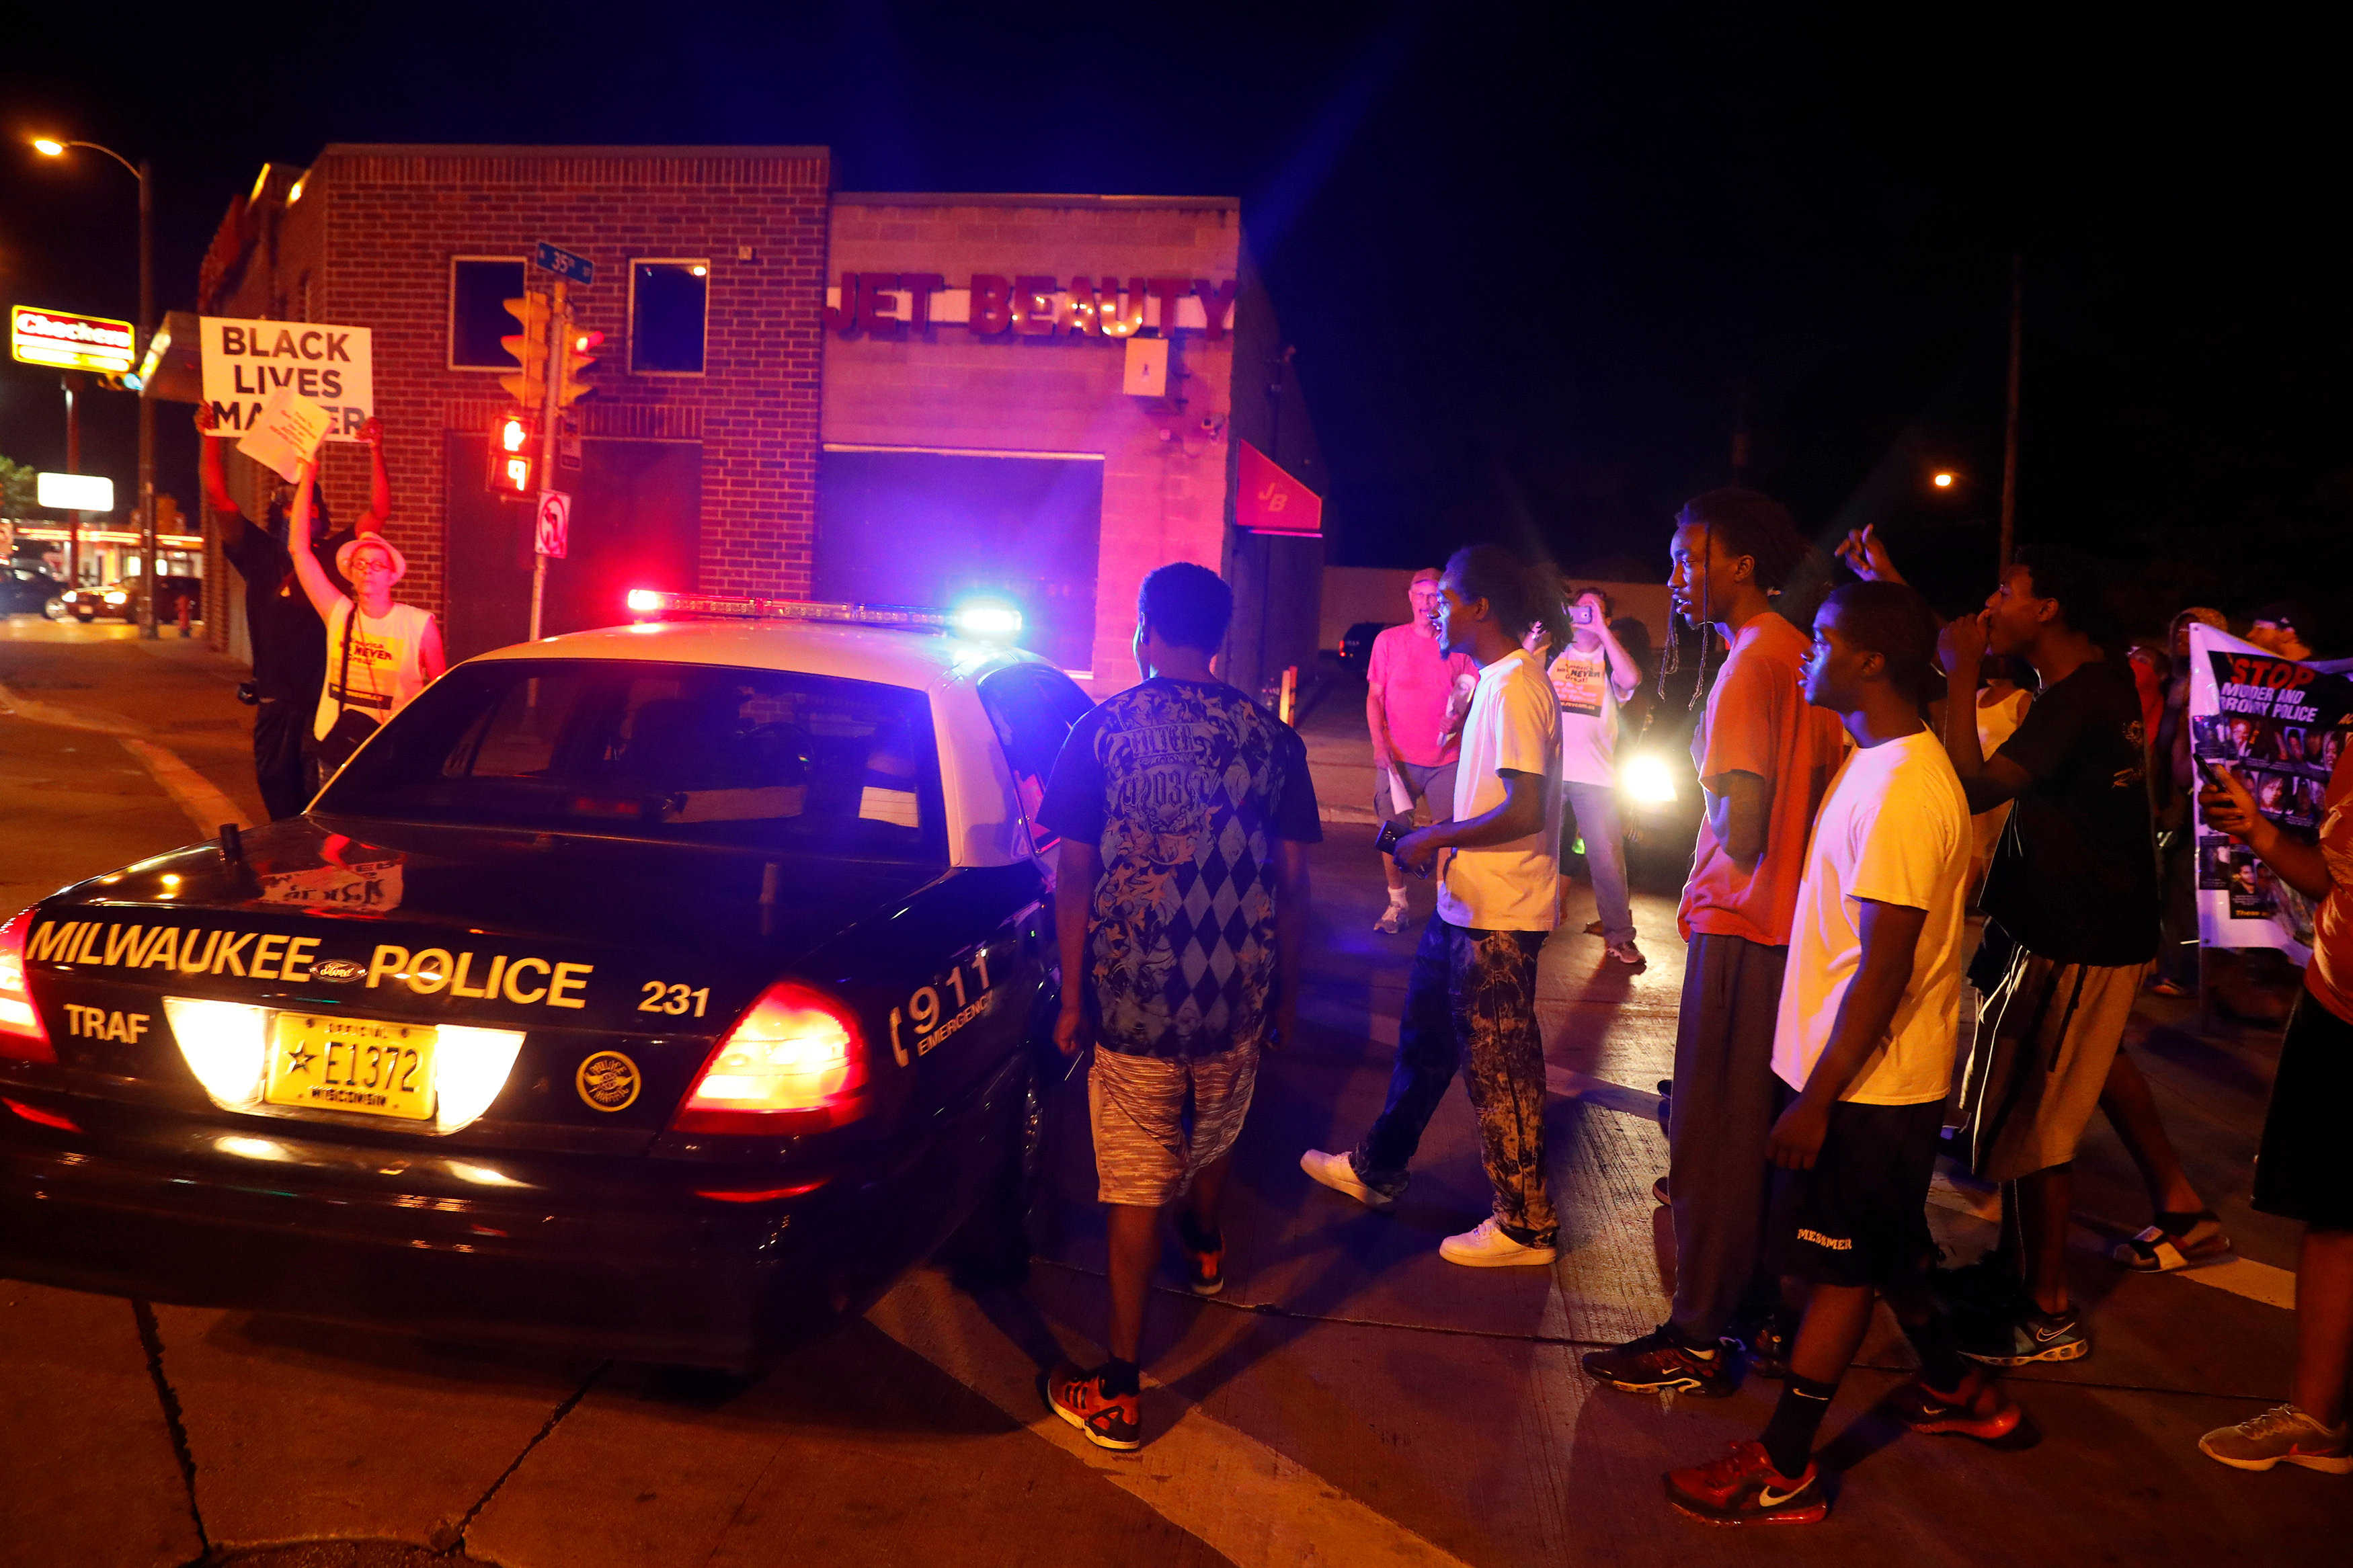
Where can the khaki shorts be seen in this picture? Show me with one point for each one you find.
(2044, 1044)
(1158, 1122)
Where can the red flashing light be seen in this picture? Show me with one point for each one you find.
(794, 1062)
(22, 1034)
(646, 601)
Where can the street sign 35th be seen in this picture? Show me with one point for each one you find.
(564, 264)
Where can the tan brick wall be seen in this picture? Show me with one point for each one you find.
(1165, 479)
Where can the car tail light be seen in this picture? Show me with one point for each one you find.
(45, 1118)
(794, 1062)
(746, 1194)
(22, 1034)
(227, 1044)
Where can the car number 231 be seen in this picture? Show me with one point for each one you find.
(938, 1010)
(677, 1001)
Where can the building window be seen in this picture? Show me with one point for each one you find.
(480, 288)
(667, 299)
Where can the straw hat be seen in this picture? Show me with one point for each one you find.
(374, 540)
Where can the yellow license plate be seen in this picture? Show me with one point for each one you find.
(351, 1064)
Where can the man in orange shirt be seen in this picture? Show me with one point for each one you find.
(1765, 759)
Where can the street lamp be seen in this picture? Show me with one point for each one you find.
(50, 147)
(1942, 480)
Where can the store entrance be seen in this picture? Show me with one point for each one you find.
(906, 527)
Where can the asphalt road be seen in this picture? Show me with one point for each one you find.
(1352, 1399)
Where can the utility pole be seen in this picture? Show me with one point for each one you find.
(1740, 431)
(72, 382)
(2010, 420)
(151, 570)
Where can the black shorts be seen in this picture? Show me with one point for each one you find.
(2302, 1172)
(1860, 1216)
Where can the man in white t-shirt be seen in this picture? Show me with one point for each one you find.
(1870, 1021)
(1471, 996)
(1592, 676)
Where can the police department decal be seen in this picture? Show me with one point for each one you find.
(608, 1080)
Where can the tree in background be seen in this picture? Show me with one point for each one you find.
(17, 483)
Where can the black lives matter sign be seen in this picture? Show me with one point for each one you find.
(245, 362)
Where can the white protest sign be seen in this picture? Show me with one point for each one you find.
(2280, 725)
(286, 432)
(245, 362)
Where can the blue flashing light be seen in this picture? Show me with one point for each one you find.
(987, 618)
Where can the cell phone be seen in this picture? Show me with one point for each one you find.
(1581, 613)
(1386, 841)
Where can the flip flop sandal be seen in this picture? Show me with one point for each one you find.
(2158, 1250)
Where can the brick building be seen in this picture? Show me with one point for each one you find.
(893, 398)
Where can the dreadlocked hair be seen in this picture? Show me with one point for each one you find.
(1748, 523)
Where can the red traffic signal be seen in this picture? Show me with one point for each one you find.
(515, 456)
(573, 363)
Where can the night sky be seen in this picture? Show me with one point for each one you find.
(1534, 262)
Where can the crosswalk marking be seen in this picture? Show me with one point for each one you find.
(1258, 1507)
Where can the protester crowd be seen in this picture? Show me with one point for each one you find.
(1868, 773)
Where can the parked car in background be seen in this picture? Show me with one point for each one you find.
(29, 590)
(1356, 646)
(122, 599)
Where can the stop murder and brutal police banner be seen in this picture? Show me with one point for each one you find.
(245, 362)
(2280, 726)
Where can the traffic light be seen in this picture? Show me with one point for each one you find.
(575, 363)
(515, 456)
(528, 385)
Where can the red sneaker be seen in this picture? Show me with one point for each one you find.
(1978, 1409)
(1109, 1420)
(1204, 1267)
(1743, 1488)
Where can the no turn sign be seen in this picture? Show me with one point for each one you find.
(554, 534)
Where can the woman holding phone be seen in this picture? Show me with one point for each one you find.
(2302, 1172)
(379, 654)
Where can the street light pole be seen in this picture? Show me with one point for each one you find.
(149, 565)
(53, 148)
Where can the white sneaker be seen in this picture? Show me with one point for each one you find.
(1335, 1172)
(1488, 1248)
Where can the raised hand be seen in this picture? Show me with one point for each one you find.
(1866, 557)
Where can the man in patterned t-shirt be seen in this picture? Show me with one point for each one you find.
(1185, 811)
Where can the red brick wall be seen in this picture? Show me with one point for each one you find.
(388, 220)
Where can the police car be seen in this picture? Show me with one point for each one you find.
(666, 990)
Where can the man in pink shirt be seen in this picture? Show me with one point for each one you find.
(1417, 725)
(1765, 758)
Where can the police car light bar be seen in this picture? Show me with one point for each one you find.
(981, 618)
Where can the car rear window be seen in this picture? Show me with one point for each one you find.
(811, 765)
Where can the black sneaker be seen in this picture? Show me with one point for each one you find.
(1109, 1420)
(1660, 1363)
(1768, 1347)
(2028, 1336)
